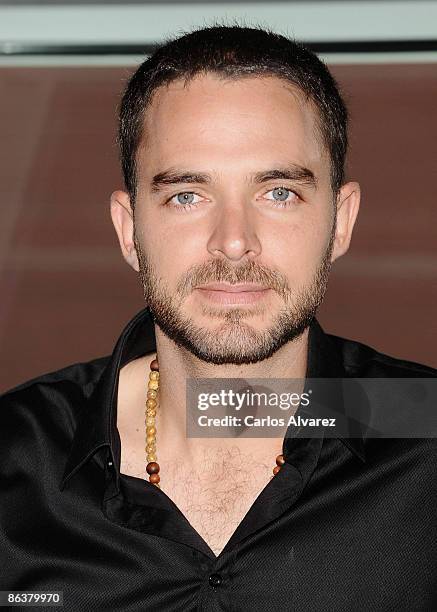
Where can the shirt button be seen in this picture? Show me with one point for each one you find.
(215, 580)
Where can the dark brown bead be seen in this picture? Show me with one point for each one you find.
(152, 467)
(276, 469)
(280, 460)
(154, 478)
(154, 366)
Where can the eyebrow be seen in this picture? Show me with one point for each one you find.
(293, 172)
(173, 177)
(296, 173)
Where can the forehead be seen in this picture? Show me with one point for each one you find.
(219, 121)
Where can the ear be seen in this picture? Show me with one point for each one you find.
(348, 204)
(123, 220)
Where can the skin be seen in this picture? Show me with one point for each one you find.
(236, 231)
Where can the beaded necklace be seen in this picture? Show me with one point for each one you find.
(152, 467)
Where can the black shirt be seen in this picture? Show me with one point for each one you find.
(348, 524)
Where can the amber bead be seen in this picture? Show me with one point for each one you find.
(152, 468)
(154, 365)
(280, 460)
(276, 469)
(154, 478)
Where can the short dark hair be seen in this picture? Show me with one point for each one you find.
(233, 52)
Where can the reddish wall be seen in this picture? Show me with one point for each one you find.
(65, 291)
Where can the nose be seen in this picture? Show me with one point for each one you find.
(234, 235)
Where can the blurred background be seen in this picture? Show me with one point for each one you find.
(65, 291)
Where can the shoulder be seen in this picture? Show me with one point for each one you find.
(361, 360)
(392, 410)
(52, 399)
(83, 375)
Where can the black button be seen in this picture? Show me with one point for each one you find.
(215, 580)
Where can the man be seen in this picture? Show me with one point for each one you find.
(233, 143)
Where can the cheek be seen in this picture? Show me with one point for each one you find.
(296, 251)
(173, 251)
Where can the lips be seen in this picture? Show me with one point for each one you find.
(226, 294)
(228, 288)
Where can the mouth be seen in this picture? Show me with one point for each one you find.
(232, 288)
(227, 294)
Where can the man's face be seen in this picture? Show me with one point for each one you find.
(233, 187)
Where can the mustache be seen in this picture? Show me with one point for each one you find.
(220, 271)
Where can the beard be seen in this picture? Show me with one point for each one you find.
(235, 341)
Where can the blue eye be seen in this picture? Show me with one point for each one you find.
(184, 200)
(282, 196)
(186, 197)
(280, 193)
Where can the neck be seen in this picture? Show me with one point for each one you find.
(176, 365)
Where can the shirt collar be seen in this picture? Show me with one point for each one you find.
(97, 422)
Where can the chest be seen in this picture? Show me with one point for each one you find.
(215, 507)
(213, 500)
